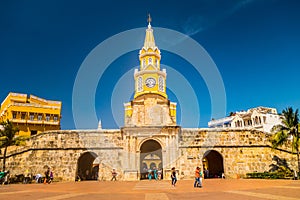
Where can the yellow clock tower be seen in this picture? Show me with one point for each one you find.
(150, 106)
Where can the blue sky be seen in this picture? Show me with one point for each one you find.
(254, 44)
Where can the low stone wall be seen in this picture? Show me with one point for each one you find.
(242, 151)
(60, 150)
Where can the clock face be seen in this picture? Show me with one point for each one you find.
(150, 82)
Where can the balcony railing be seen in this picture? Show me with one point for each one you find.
(35, 121)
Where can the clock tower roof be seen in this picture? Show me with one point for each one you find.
(149, 38)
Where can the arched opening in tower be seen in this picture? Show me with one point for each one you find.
(212, 164)
(151, 162)
(87, 167)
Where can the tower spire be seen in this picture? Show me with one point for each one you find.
(149, 21)
(149, 39)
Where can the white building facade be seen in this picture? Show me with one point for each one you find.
(259, 118)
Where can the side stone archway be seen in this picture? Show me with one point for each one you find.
(213, 166)
(150, 157)
(87, 167)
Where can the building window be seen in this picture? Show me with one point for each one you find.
(40, 117)
(23, 115)
(161, 84)
(140, 84)
(47, 118)
(144, 63)
(256, 121)
(14, 115)
(31, 116)
(249, 122)
(55, 118)
(150, 61)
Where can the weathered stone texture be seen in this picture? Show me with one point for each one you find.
(242, 151)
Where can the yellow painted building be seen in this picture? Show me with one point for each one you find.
(32, 115)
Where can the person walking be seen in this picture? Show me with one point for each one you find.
(47, 174)
(201, 177)
(197, 177)
(50, 177)
(173, 176)
(114, 175)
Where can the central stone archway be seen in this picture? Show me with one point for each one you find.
(87, 167)
(213, 166)
(150, 158)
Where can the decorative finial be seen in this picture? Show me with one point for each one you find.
(149, 20)
(100, 125)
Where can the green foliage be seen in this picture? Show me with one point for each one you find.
(288, 130)
(288, 133)
(8, 138)
(270, 175)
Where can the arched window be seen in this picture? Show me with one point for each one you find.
(144, 63)
(150, 61)
(256, 120)
(140, 84)
(161, 84)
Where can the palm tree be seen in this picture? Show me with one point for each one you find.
(288, 132)
(8, 138)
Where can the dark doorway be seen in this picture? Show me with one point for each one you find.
(212, 164)
(86, 170)
(151, 159)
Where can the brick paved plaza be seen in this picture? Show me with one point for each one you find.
(156, 190)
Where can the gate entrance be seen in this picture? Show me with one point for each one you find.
(151, 162)
(212, 164)
(87, 167)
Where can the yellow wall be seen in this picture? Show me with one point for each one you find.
(152, 70)
(31, 115)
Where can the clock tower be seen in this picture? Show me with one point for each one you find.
(150, 106)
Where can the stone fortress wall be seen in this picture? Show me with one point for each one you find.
(241, 151)
(60, 150)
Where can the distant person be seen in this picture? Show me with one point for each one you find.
(114, 175)
(201, 177)
(47, 174)
(223, 175)
(87, 174)
(197, 177)
(149, 174)
(6, 177)
(295, 175)
(206, 173)
(173, 176)
(50, 177)
(155, 173)
(38, 178)
(159, 174)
